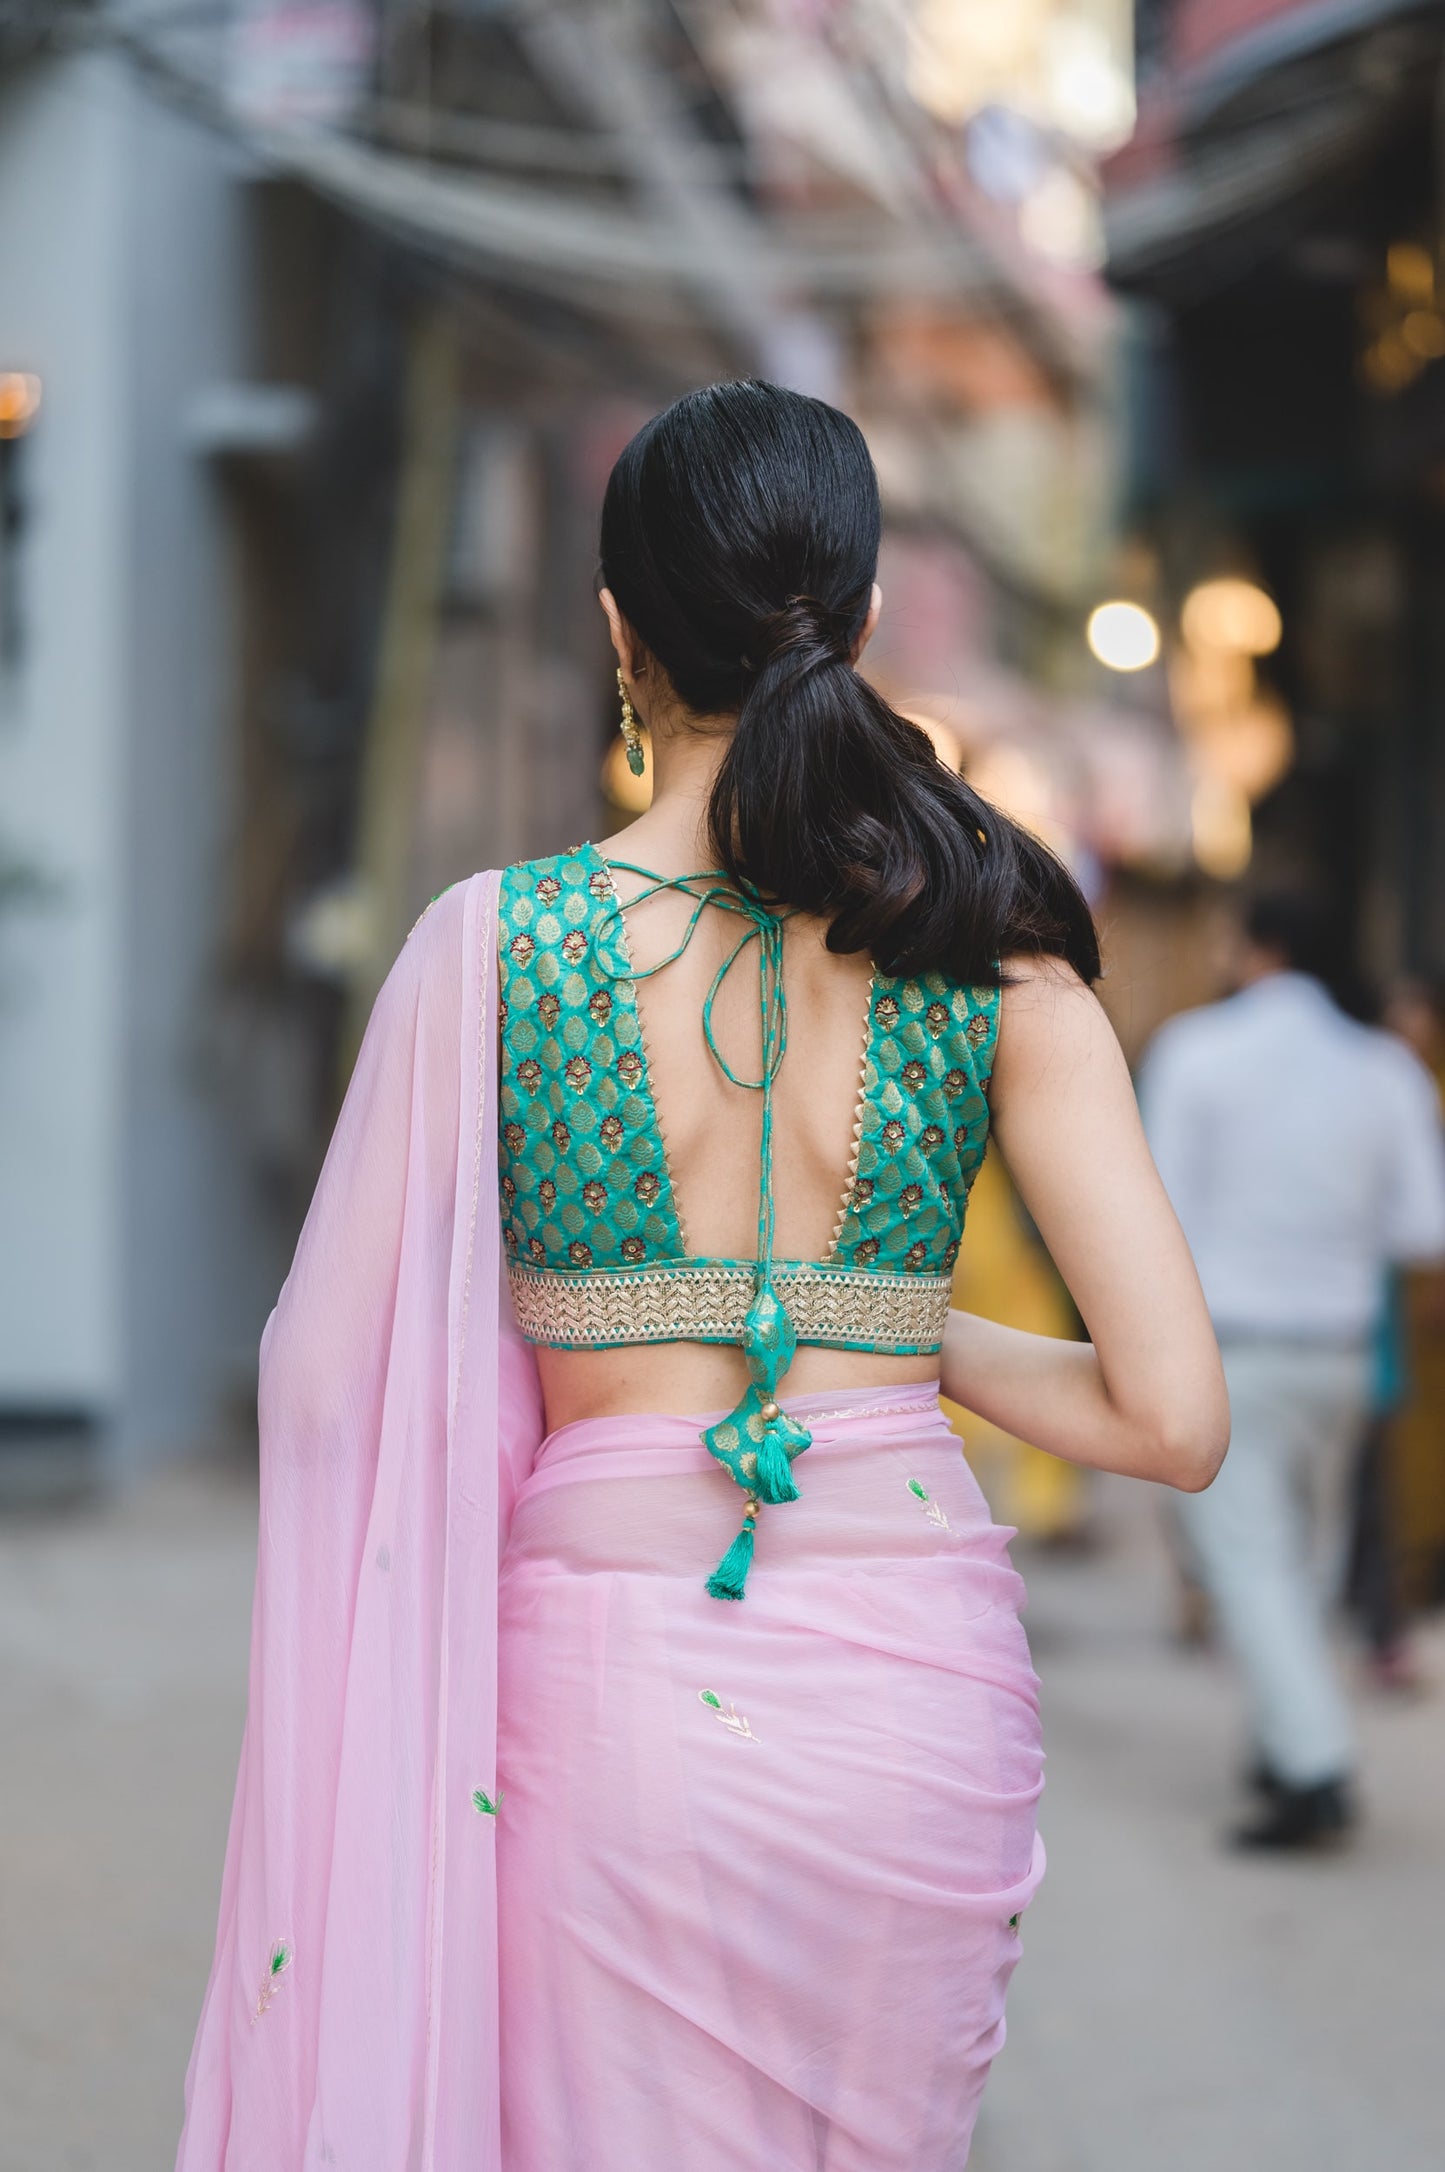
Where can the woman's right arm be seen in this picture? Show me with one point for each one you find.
(1145, 1396)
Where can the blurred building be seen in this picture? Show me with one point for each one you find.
(320, 326)
(1276, 223)
(119, 284)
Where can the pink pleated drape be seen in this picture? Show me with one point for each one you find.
(761, 1867)
(351, 2015)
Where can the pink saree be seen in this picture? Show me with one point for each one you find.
(541, 1860)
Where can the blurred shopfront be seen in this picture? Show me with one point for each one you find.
(1275, 228)
(1275, 225)
(373, 299)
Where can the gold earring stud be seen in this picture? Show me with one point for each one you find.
(631, 729)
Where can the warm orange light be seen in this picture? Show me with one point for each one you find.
(946, 743)
(1223, 832)
(1013, 778)
(629, 795)
(1388, 365)
(1410, 270)
(19, 401)
(1250, 748)
(1206, 682)
(1424, 334)
(1231, 614)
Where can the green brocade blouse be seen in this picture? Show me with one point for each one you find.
(595, 1245)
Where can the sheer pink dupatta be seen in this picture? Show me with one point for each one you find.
(351, 2015)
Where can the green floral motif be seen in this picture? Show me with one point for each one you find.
(577, 1108)
(923, 1115)
(728, 1714)
(483, 1802)
(934, 1510)
(578, 1123)
(276, 1968)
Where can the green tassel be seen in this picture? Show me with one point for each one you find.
(729, 1578)
(774, 1480)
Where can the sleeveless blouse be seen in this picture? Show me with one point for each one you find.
(596, 1251)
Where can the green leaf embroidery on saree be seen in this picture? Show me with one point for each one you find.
(276, 1967)
(934, 1510)
(729, 1715)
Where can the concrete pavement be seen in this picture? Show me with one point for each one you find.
(1176, 2008)
(1182, 2008)
(122, 1658)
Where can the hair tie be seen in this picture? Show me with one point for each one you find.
(803, 624)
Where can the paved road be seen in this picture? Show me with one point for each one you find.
(122, 1655)
(1176, 2008)
(1180, 2009)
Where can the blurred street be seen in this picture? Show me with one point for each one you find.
(321, 330)
(1179, 2006)
(1176, 2006)
(122, 1686)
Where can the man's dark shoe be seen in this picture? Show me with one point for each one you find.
(1298, 1818)
(1260, 1778)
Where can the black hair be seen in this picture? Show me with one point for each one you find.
(1295, 925)
(740, 536)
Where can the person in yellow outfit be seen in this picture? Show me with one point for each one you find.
(1004, 1274)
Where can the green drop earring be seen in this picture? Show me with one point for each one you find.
(631, 729)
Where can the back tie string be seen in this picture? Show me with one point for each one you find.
(757, 1443)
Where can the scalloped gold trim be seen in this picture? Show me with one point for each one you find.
(860, 1116)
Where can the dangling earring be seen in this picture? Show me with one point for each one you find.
(631, 729)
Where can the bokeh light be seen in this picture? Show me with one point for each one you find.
(1231, 614)
(1124, 636)
(19, 401)
(1222, 829)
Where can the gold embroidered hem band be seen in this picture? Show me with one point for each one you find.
(892, 1315)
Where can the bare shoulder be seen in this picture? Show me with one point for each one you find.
(1049, 1020)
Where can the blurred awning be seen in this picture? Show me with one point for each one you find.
(558, 242)
(1216, 205)
(1226, 50)
(644, 222)
(1240, 142)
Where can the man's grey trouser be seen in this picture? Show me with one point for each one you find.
(1269, 1536)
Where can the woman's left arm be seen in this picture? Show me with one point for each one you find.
(1145, 1395)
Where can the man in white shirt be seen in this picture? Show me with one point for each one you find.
(1304, 1156)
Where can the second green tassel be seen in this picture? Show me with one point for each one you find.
(729, 1579)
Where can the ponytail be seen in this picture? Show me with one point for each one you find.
(740, 536)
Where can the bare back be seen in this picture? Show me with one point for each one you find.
(712, 1130)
